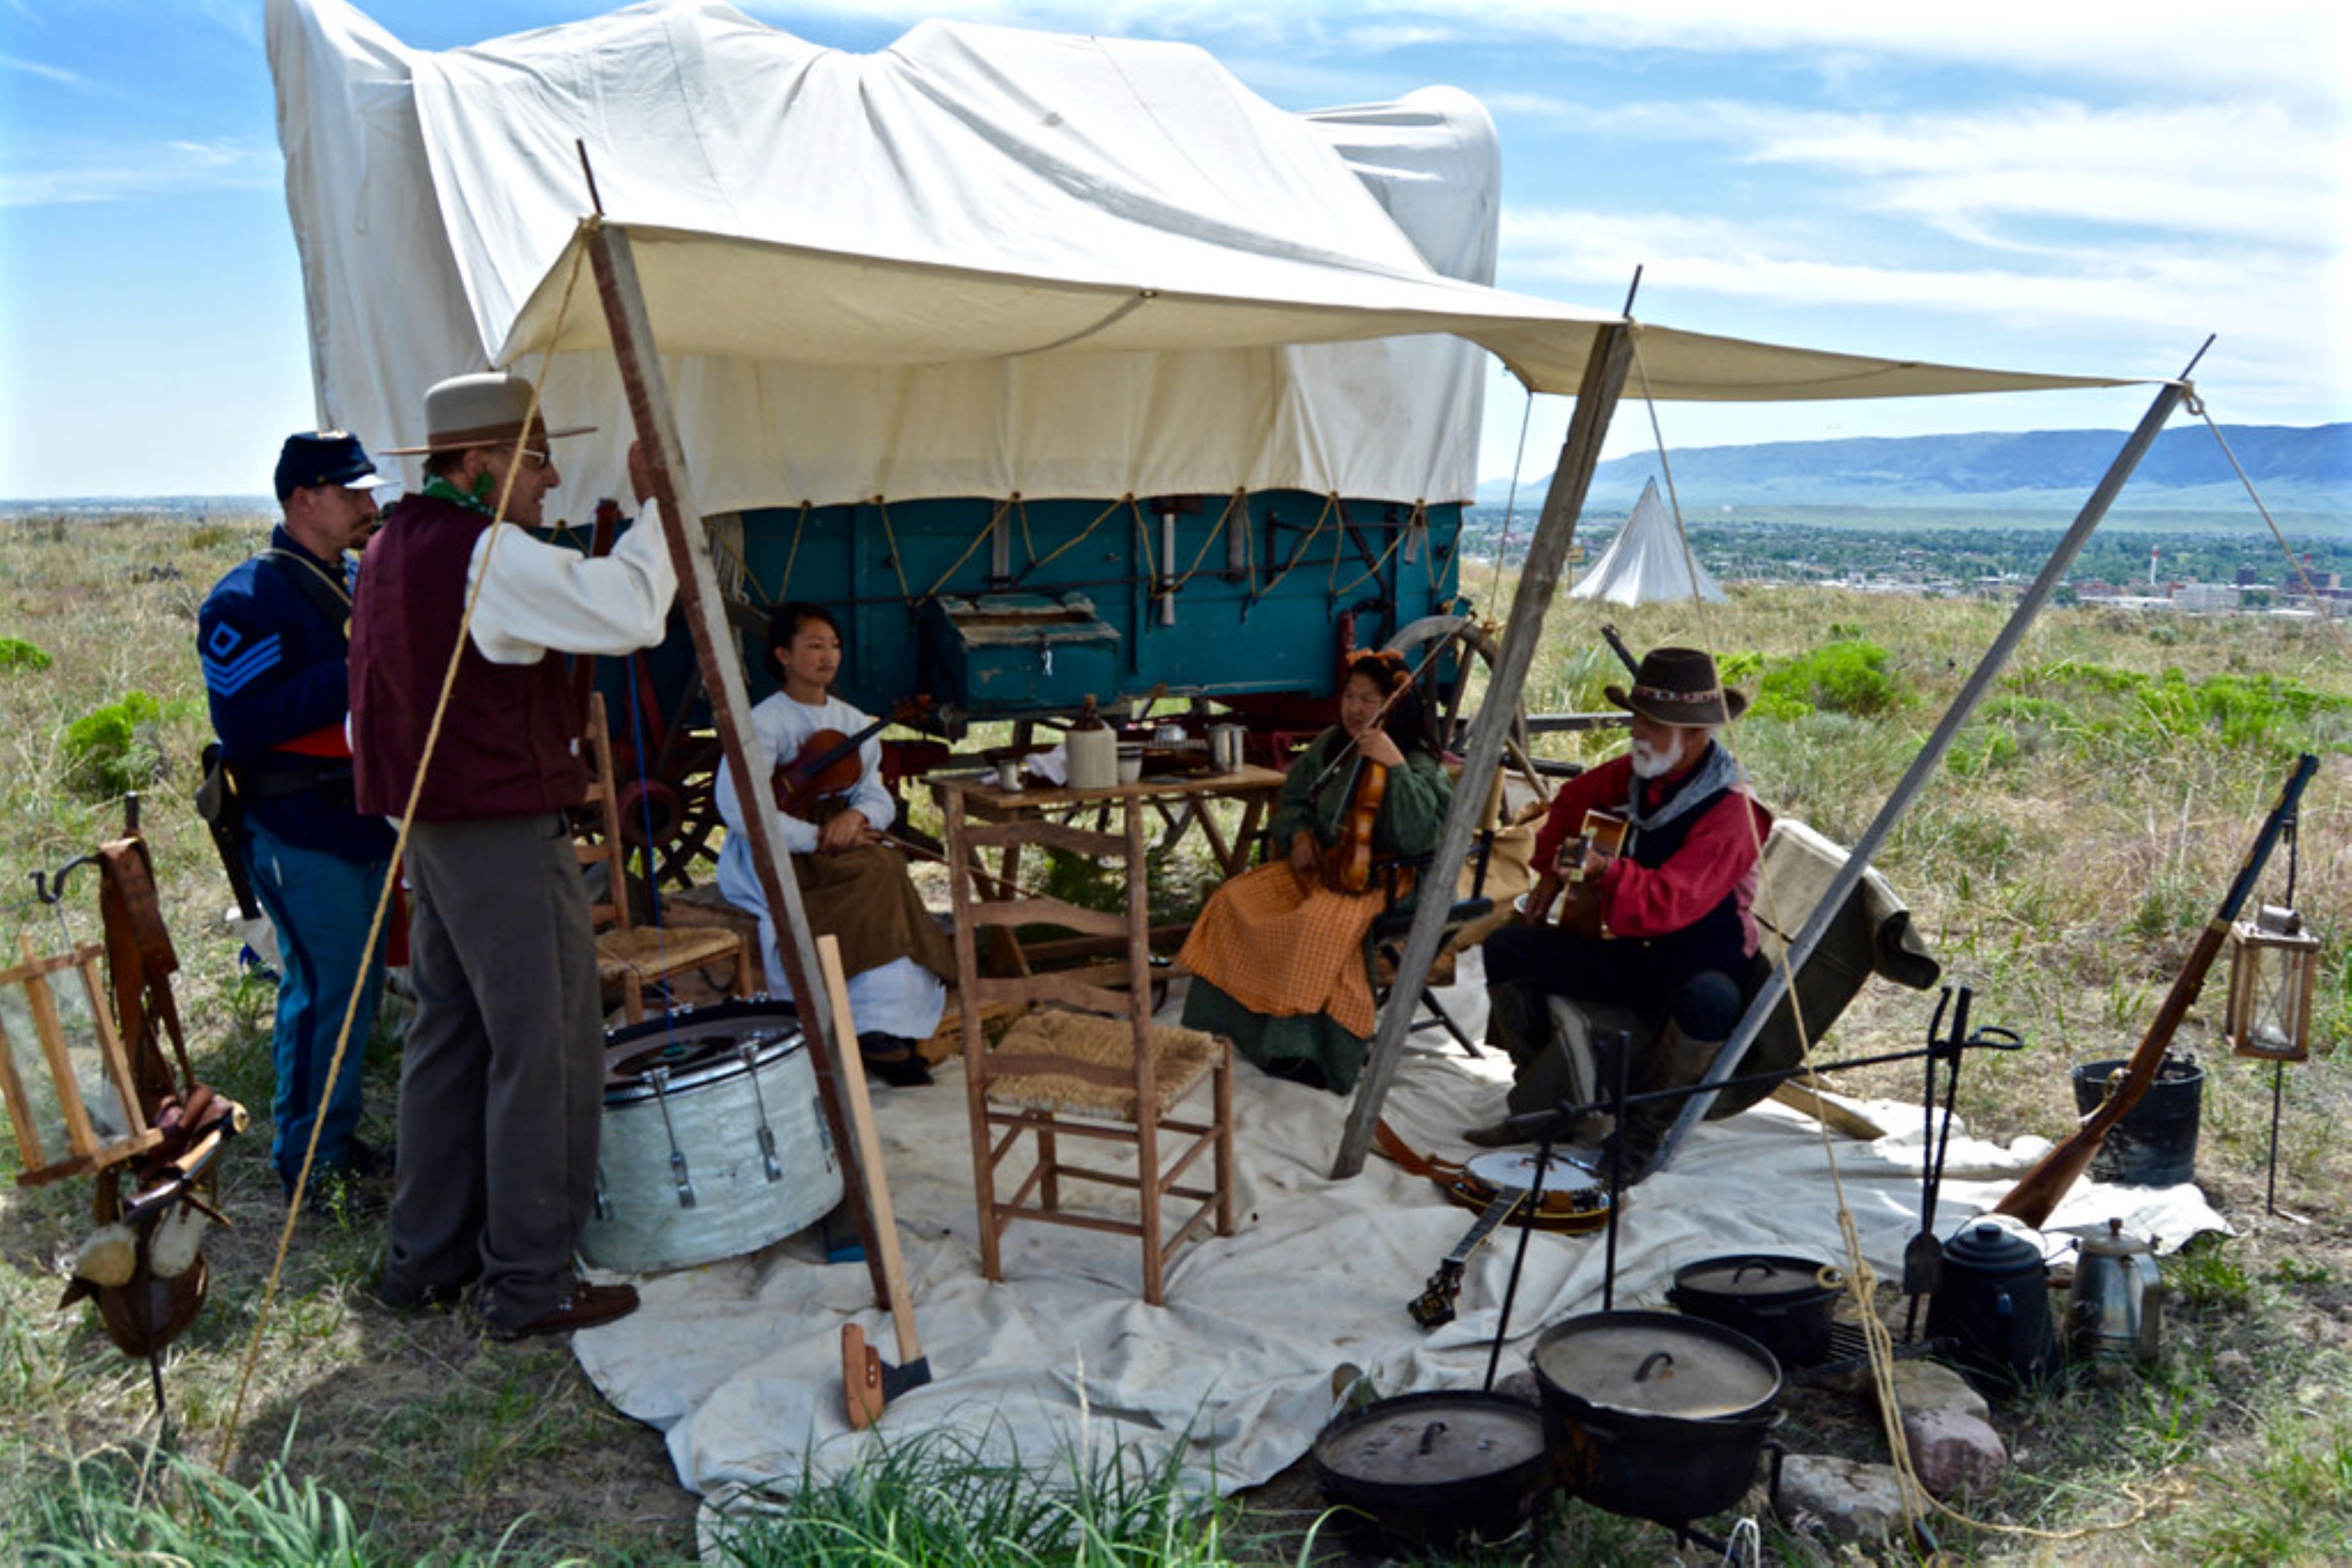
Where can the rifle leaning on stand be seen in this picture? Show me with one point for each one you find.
(2035, 1195)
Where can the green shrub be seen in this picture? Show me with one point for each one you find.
(1844, 677)
(17, 654)
(115, 748)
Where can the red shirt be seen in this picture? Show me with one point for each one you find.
(1719, 858)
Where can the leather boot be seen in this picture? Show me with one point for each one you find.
(1674, 1060)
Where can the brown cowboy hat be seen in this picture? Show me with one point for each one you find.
(1678, 686)
(484, 409)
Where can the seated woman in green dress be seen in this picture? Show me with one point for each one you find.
(1277, 956)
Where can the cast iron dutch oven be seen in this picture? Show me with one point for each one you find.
(1653, 1415)
(1435, 1467)
(1782, 1303)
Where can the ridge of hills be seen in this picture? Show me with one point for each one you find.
(2301, 469)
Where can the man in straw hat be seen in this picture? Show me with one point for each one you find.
(1662, 924)
(502, 1091)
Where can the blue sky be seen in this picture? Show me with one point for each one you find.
(2054, 186)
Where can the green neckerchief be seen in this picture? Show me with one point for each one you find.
(440, 489)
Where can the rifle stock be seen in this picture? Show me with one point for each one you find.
(2037, 1194)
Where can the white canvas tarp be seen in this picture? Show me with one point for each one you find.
(980, 262)
(1647, 563)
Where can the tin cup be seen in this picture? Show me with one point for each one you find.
(1008, 773)
(1130, 764)
(1225, 747)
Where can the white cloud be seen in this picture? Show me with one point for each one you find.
(105, 172)
(46, 72)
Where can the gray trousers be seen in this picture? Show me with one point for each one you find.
(501, 1082)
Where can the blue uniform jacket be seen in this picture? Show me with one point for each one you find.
(276, 669)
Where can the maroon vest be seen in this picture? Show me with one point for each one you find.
(506, 741)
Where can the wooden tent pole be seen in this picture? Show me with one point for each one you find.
(720, 652)
(1596, 400)
(1931, 755)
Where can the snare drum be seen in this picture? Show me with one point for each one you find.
(715, 1143)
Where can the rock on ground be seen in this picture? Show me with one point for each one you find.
(1953, 1451)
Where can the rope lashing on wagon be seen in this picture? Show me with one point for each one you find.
(1076, 539)
(890, 538)
(1418, 519)
(1330, 510)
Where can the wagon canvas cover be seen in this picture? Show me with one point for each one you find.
(980, 262)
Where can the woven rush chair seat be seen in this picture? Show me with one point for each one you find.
(1083, 1064)
(650, 954)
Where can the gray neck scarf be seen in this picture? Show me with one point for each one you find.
(1715, 771)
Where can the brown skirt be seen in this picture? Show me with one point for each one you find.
(865, 900)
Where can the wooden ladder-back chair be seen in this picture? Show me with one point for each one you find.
(633, 957)
(1082, 1060)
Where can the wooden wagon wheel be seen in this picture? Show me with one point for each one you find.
(1450, 688)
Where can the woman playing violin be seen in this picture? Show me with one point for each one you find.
(854, 885)
(1277, 957)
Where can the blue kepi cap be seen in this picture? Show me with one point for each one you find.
(323, 457)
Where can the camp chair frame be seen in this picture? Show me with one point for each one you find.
(1054, 1085)
(637, 958)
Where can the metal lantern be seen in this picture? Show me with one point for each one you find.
(71, 1102)
(2273, 965)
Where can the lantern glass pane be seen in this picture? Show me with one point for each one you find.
(2276, 1022)
(100, 1098)
(41, 1092)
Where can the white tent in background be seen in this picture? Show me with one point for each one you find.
(1647, 563)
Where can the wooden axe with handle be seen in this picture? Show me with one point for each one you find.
(869, 1383)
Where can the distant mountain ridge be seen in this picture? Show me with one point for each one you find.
(2300, 469)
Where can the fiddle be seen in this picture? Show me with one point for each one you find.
(1347, 863)
(816, 784)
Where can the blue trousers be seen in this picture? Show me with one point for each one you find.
(320, 905)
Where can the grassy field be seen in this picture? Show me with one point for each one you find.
(2061, 866)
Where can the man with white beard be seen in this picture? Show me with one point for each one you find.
(1662, 926)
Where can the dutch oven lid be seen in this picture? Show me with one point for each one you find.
(1658, 1363)
(1756, 1279)
(1984, 1246)
(1429, 1439)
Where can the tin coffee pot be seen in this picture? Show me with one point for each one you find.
(1992, 1301)
(2115, 1308)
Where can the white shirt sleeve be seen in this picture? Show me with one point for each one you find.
(540, 596)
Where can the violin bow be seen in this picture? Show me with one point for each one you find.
(1412, 677)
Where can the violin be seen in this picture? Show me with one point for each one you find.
(816, 784)
(1347, 863)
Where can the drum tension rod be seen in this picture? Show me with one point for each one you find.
(659, 1078)
(749, 1052)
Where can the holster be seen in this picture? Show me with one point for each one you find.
(219, 803)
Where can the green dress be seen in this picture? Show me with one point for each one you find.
(1413, 815)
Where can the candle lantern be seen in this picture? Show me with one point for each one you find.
(71, 1099)
(2273, 966)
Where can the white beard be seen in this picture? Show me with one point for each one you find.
(1649, 762)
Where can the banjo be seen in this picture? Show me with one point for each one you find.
(1501, 1185)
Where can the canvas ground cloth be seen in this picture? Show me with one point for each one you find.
(738, 1364)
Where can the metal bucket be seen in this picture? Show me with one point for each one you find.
(2155, 1142)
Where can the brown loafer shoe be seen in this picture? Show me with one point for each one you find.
(582, 1306)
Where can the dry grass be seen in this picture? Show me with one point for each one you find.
(2063, 878)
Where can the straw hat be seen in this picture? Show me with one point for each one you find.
(484, 409)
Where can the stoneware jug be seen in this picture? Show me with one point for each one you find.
(2116, 1309)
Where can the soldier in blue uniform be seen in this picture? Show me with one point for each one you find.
(274, 637)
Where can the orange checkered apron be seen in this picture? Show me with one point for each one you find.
(1284, 951)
